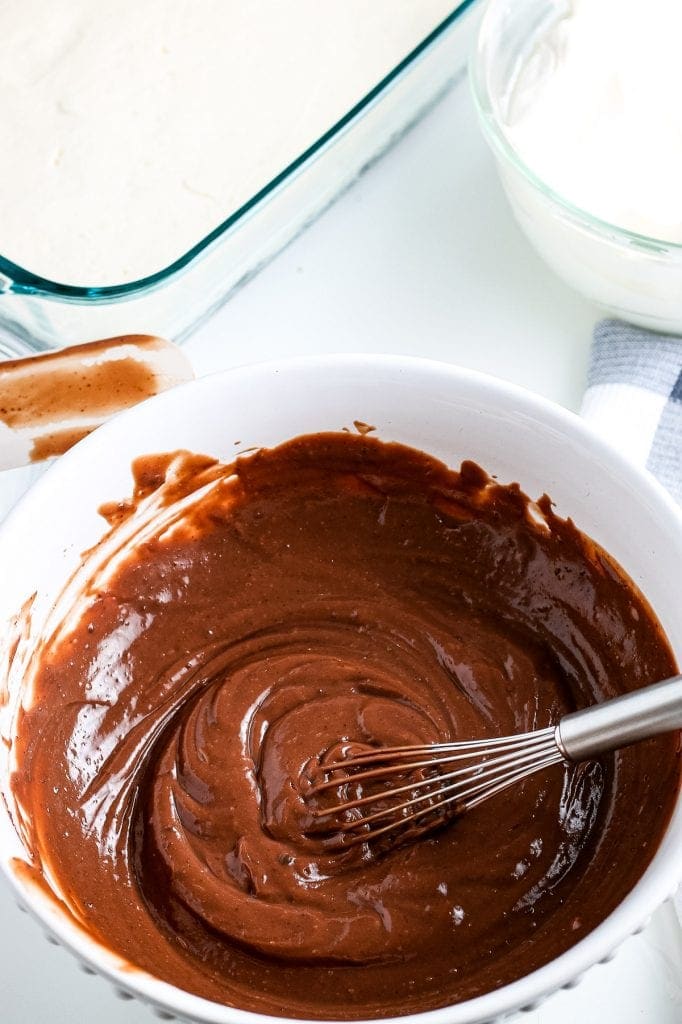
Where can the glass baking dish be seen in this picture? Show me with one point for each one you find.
(38, 314)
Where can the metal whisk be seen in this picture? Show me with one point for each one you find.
(401, 791)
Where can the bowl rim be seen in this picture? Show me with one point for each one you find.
(502, 147)
(658, 882)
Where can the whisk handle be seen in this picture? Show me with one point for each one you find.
(615, 723)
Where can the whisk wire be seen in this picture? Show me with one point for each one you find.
(463, 748)
(479, 771)
(465, 752)
(474, 795)
(491, 766)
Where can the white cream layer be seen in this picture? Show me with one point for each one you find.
(596, 112)
(130, 129)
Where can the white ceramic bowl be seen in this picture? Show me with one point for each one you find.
(449, 412)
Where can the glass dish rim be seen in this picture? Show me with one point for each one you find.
(503, 147)
(19, 280)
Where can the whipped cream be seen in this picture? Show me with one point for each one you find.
(134, 128)
(596, 112)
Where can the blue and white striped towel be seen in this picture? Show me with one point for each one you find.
(634, 400)
(634, 397)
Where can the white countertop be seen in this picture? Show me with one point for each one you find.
(420, 257)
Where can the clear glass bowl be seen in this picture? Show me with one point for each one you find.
(37, 314)
(632, 276)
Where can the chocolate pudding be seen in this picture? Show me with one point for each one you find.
(250, 617)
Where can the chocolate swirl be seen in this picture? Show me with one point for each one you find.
(334, 591)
